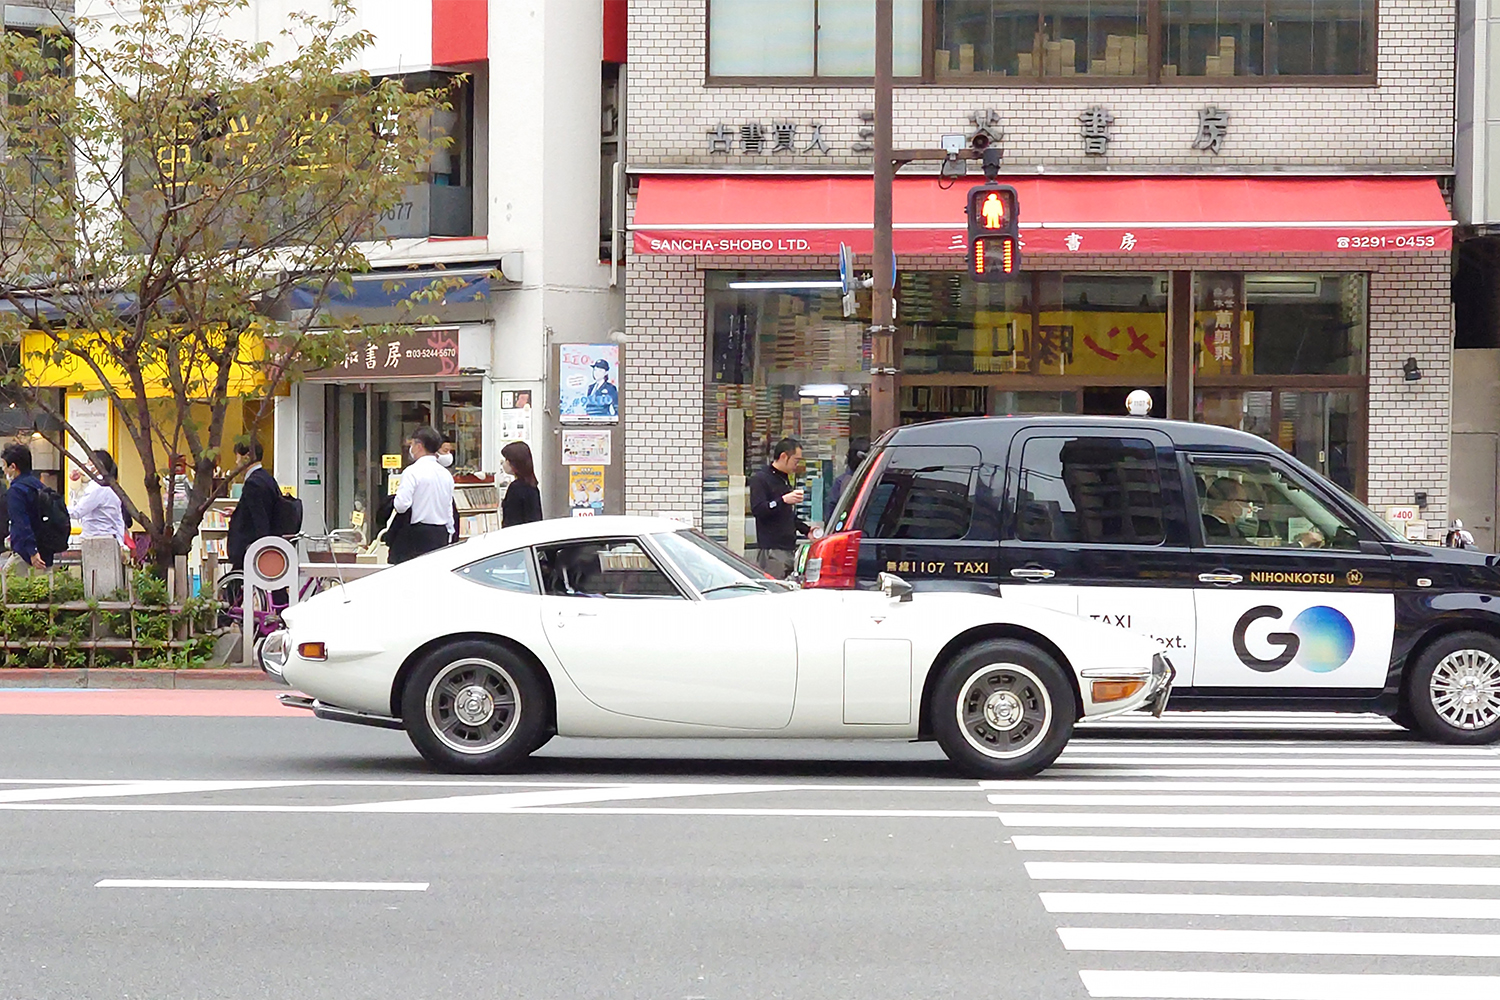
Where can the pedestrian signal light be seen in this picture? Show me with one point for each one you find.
(994, 232)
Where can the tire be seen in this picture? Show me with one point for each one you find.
(502, 716)
(1452, 690)
(1024, 684)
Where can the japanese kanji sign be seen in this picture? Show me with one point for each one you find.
(425, 353)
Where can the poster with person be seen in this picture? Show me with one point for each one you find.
(589, 384)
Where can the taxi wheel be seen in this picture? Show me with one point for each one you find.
(1003, 709)
(1452, 691)
(474, 707)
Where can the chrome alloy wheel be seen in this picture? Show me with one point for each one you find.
(1465, 689)
(1004, 710)
(473, 705)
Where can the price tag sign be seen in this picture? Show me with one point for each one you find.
(1402, 515)
(390, 461)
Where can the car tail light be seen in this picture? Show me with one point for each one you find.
(312, 651)
(1116, 690)
(833, 560)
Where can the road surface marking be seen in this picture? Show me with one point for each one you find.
(1068, 761)
(1113, 985)
(1170, 871)
(510, 801)
(1060, 798)
(191, 883)
(1259, 747)
(1068, 786)
(1257, 821)
(1243, 942)
(1203, 904)
(1272, 769)
(1259, 845)
(374, 808)
(137, 788)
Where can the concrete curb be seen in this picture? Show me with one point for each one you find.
(214, 678)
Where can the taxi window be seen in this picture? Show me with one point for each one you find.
(922, 492)
(1256, 503)
(1101, 490)
(602, 568)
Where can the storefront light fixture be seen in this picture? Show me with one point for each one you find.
(824, 390)
(786, 286)
(1411, 370)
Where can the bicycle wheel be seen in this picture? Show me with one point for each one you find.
(230, 592)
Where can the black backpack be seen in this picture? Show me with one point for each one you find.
(287, 519)
(53, 525)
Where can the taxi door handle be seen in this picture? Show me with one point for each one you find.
(1032, 573)
(1220, 578)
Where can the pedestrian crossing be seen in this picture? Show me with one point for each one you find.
(1343, 864)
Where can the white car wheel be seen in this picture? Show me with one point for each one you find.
(1003, 709)
(475, 706)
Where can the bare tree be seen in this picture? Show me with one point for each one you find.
(163, 186)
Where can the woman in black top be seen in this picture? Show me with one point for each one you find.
(523, 501)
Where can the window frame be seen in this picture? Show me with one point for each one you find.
(533, 571)
(659, 561)
(1310, 485)
(1152, 78)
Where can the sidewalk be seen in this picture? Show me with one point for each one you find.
(214, 678)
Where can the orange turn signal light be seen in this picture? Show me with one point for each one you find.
(319, 651)
(1116, 690)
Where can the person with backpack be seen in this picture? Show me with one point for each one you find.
(39, 522)
(259, 512)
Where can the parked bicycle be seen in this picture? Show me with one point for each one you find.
(267, 609)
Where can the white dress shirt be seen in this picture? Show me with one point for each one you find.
(98, 512)
(426, 490)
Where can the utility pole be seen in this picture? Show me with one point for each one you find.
(884, 411)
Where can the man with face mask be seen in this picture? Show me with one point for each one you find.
(445, 453)
(424, 501)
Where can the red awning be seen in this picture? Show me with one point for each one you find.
(739, 215)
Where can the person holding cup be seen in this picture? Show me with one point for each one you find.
(773, 503)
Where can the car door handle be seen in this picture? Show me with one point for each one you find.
(1032, 573)
(1221, 578)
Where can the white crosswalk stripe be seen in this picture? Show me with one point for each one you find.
(1339, 861)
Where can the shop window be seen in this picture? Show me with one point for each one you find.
(1280, 324)
(1097, 490)
(922, 493)
(1268, 38)
(602, 569)
(463, 426)
(1092, 324)
(1324, 430)
(1051, 40)
(808, 38)
(1255, 503)
(508, 571)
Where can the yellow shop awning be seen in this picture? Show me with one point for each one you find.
(45, 371)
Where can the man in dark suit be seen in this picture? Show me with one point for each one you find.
(254, 516)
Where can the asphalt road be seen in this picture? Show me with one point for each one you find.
(745, 870)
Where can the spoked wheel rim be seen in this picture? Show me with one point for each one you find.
(1465, 689)
(1004, 710)
(473, 705)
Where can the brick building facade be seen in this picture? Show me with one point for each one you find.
(1396, 120)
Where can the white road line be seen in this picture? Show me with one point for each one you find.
(1438, 763)
(1248, 747)
(1138, 985)
(1260, 845)
(190, 883)
(938, 785)
(1204, 904)
(509, 801)
(1189, 871)
(1067, 786)
(1249, 821)
(1242, 942)
(1274, 769)
(373, 808)
(137, 788)
(1324, 801)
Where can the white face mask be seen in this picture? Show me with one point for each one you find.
(445, 459)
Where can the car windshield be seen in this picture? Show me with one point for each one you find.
(713, 570)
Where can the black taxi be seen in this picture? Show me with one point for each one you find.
(1267, 586)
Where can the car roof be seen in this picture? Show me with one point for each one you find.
(563, 529)
(992, 431)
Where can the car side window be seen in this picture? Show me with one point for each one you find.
(1102, 490)
(923, 493)
(506, 571)
(1245, 502)
(602, 568)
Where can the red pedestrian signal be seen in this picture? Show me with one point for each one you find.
(994, 232)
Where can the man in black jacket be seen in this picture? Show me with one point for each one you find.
(254, 516)
(773, 503)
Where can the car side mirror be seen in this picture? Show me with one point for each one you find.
(894, 587)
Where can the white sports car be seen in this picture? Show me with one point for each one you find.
(639, 627)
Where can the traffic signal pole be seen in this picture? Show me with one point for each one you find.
(884, 410)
